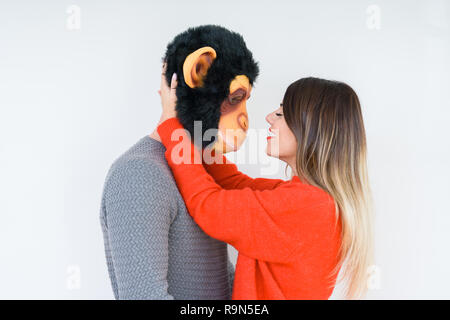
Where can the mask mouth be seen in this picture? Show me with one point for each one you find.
(219, 133)
(229, 145)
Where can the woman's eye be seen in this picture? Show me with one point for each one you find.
(279, 114)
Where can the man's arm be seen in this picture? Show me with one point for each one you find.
(139, 211)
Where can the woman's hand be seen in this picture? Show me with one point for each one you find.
(168, 96)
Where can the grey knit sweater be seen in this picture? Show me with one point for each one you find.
(154, 250)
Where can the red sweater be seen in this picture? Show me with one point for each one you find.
(286, 232)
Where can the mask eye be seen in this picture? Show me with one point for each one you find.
(236, 96)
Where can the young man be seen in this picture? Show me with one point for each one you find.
(154, 250)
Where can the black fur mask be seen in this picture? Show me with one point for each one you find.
(233, 58)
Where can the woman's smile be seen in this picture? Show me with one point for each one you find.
(270, 134)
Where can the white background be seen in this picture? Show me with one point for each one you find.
(73, 100)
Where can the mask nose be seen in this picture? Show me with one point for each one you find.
(243, 121)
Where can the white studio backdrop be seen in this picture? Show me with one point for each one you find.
(78, 82)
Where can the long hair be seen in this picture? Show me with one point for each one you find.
(325, 117)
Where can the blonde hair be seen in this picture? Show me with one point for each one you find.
(325, 117)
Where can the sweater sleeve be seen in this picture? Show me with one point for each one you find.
(137, 220)
(252, 221)
(227, 175)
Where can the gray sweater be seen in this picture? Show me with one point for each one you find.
(154, 250)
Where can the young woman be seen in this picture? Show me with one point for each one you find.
(293, 237)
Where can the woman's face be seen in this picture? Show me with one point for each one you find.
(281, 142)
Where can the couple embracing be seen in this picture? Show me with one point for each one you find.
(172, 203)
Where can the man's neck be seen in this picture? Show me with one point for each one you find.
(155, 135)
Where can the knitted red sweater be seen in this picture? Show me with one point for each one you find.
(285, 231)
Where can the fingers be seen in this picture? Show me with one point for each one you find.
(174, 82)
(164, 86)
(173, 86)
(165, 90)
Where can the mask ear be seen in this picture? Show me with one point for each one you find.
(196, 66)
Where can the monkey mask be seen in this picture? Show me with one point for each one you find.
(215, 73)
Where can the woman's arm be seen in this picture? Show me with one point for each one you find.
(259, 224)
(227, 175)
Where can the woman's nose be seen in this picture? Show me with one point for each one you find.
(269, 118)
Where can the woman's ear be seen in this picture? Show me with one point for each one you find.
(196, 66)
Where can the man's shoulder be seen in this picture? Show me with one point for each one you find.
(144, 162)
(140, 181)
